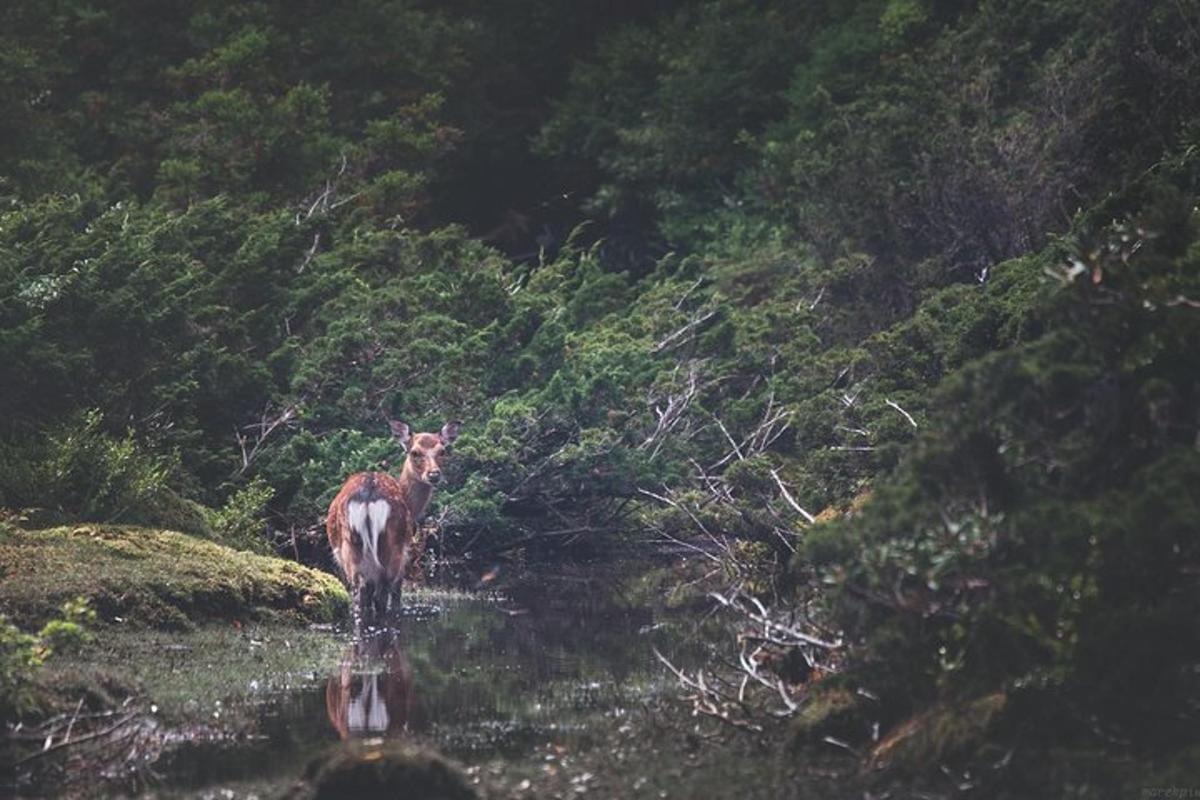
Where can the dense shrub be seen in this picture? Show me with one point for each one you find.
(1042, 527)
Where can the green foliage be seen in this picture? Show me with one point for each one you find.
(81, 470)
(22, 654)
(240, 522)
(1042, 518)
(20, 659)
(69, 632)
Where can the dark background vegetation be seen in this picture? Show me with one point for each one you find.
(934, 262)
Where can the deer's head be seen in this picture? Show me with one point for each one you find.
(426, 452)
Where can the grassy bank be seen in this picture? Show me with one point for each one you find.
(155, 578)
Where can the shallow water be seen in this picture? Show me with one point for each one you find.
(541, 681)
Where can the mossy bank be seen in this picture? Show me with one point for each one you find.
(155, 578)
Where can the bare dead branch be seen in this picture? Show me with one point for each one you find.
(669, 417)
(791, 500)
(907, 416)
(681, 542)
(709, 700)
(741, 602)
(736, 448)
(262, 430)
(679, 303)
(308, 255)
(681, 336)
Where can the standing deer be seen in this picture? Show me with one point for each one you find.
(373, 519)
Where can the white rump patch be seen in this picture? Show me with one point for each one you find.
(368, 711)
(368, 520)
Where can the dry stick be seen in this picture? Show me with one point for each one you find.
(693, 323)
(690, 289)
(674, 539)
(725, 431)
(844, 745)
(265, 428)
(95, 735)
(670, 417)
(750, 441)
(1183, 301)
(750, 668)
(907, 416)
(308, 256)
(720, 493)
(74, 716)
(682, 543)
(770, 625)
(782, 535)
(859, 431)
(703, 701)
(791, 500)
(816, 301)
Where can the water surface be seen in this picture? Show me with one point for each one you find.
(541, 682)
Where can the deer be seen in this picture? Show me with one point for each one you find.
(373, 519)
(371, 692)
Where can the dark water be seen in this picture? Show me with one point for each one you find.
(536, 679)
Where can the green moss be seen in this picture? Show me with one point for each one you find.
(155, 578)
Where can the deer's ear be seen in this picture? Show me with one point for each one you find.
(449, 431)
(401, 431)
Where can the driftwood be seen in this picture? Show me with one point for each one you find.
(764, 633)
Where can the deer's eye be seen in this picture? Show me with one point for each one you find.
(417, 456)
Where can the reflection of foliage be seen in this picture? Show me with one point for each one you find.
(563, 653)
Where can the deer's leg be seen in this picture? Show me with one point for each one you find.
(383, 611)
(366, 602)
(356, 604)
(391, 604)
(371, 605)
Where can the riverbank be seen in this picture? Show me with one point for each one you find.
(524, 682)
(144, 577)
(537, 684)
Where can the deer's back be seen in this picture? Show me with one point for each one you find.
(369, 526)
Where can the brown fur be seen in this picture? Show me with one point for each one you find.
(393, 542)
(407, 497)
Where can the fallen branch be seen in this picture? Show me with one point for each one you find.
(676, 540)
(116, 726)
(760, 616)
(708, 700)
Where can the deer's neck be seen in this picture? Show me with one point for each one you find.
(416, 492)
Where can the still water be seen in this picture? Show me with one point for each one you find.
(539, 682)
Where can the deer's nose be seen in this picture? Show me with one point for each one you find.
(433, 476)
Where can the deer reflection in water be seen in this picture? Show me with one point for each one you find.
(371, 694)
